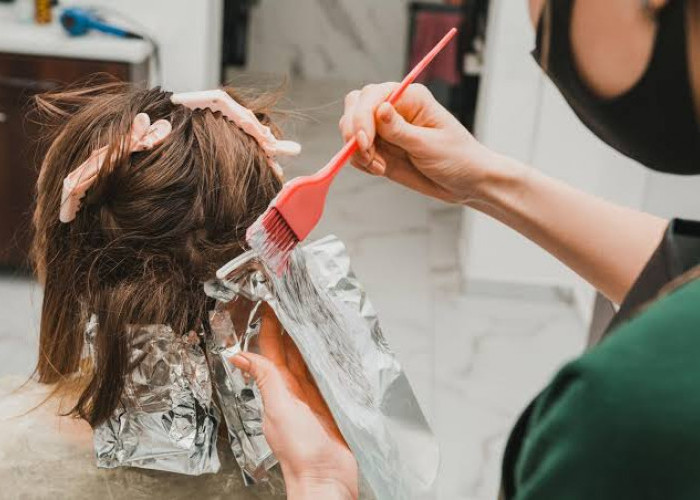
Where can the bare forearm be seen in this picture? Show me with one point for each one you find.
(432, 153)
(608, 245)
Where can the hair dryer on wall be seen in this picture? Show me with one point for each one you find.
(79, 22)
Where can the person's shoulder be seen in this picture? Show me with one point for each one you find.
(653, 356)
(663, 337)
(624, 415)
(45, 455)
(19, 395)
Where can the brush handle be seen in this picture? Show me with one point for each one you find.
(341, 157)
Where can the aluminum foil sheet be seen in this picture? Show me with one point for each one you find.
(166, 419)
(325, 310)
(239, 399)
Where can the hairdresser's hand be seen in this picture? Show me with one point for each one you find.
(418, 143)
(316, 461)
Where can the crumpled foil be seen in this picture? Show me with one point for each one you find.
(325, 310)
(168, 416)
(238, 397)
(166, 419)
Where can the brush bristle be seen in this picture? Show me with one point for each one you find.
(272, 239)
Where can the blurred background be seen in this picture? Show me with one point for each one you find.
(479, 316)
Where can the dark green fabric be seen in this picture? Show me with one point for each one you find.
(623, 420)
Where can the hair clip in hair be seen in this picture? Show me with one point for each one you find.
(143, 137)
(218, 100)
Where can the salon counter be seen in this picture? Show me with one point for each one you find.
(50, 40)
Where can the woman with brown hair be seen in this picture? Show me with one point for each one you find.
(140, 200)
(621, 420)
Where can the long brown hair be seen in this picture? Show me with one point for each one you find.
(152, 229)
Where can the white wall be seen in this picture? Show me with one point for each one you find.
(672, 195)
(357, 40)
(521, 113)
(507, 121)
(188, 32)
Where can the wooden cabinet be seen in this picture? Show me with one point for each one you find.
(22, 76)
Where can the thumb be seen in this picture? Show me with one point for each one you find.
(393, 128)
(266, 375)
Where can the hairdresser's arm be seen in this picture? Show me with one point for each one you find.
(421, 145)
(315, 459)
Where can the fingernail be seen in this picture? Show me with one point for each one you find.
(362, 140)
(385, 112)
(241, 362)
(376, 167)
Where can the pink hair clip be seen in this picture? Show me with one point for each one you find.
(143, 136)
(218, 100)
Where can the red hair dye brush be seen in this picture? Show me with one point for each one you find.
(298, 207)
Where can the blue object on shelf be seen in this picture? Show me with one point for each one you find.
(78, 22)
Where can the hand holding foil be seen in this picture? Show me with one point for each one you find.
(315, 459)
(326, 312)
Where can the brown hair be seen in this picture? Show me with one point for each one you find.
(151, 230)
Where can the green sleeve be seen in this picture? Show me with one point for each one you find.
(622, 421)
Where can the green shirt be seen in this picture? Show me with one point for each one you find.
(623, 420)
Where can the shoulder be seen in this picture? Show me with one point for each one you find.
(625, 414)
(536, 7)
(660, 347)
(30, 423)
(36, 444)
